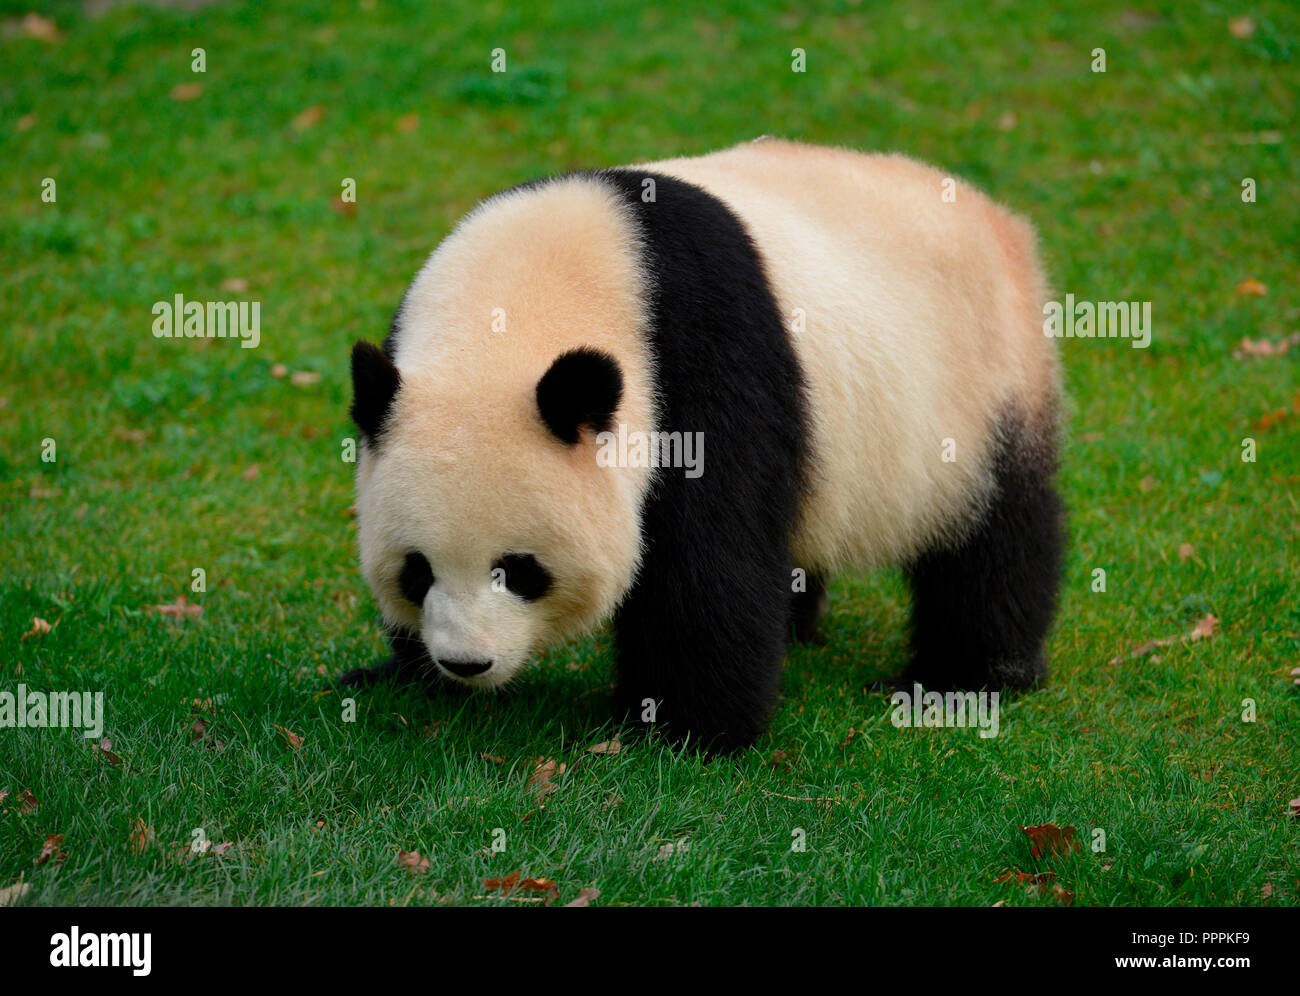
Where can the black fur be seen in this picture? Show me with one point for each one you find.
(703, 632)
(416, 578)
(409, 663)
(524, 575)
(807, 608)
(580, 390)
(981, 610)
(374, 385)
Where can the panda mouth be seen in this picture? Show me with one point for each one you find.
(465, 669)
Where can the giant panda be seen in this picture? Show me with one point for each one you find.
(858, 338)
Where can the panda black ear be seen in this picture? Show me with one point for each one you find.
(582, 388)
(374, 385)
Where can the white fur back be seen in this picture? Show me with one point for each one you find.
(922, 323)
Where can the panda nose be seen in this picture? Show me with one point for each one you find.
(465, 669)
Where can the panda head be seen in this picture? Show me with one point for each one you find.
(487, 527)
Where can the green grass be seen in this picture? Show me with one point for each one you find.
(1133, 178)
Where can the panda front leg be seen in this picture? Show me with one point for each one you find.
(981, 610)
(407, 664)
(699, 657)
(807, 608)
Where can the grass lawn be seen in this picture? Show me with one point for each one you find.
(173, 455)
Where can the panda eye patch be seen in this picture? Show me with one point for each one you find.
(416, 578)
(524, 575)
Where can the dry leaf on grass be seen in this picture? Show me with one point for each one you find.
(1241, 27)
(1185, 551)
(308, 117)
(408, 122)
(10, 894)
(39, 628)
(1049, 839)
(104, 751)
(1206, 626)
(412, 862)
(178, 609)
(187, 91)
(1040, 884)
(141, 835)
(291, 739)
(539, 782)
(27, 802)
(584, 898)
(514, 882)
(51, 850)
(234, 285)
(304, 378)
(605, 747)
(42, 28)
(1251, 288)
(680, 846)
(1266, 347)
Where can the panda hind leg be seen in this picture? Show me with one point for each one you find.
(981, 609)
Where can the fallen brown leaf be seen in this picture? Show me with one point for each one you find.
(10, 894)
(539, 782)
(584, 897)
(291, 739)
(1266, 347)
(141, 835)
(27, 802)
(39, 628)
(1049, 839)
(308, 117)
(605, 747)
(408, 122)
(512, 882)
(1186, 551)
(1205, 627)
(51, 850)
(178, 609)
(1241, 27)
(1041, 884)
(187, 91)
(104, 750)
(234, 285)
(42, 28)
(1269, 419)
(1252, 288)
(412, 862)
